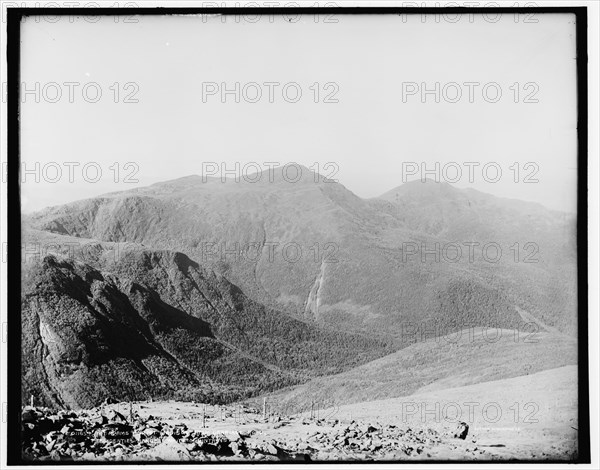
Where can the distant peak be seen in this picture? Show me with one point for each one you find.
(422, 189)
(426, 181)
(286, 173)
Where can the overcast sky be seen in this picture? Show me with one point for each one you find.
(371, 133)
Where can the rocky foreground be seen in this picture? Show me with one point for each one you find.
(234, 433)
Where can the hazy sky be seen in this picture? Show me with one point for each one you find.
(370, 132)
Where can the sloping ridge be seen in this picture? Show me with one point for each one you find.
(373, 289)
(157, 324)
(463, 358)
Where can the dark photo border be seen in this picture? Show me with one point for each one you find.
(14, 18)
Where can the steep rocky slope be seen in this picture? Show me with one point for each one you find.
(155, 324)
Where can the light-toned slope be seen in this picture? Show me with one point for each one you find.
(528, 417)
(463, 358)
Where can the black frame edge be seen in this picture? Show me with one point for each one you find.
(14, 19)
(13, 281)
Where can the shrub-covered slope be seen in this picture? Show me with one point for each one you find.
(156, 324)
(316, 250)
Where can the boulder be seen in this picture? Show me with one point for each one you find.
(461, 431)
(116, 417)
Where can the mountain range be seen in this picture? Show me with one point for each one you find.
(201, 289)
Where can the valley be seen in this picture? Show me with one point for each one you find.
(296, 297)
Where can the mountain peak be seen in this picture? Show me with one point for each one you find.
(288, 173)
(421, 189)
